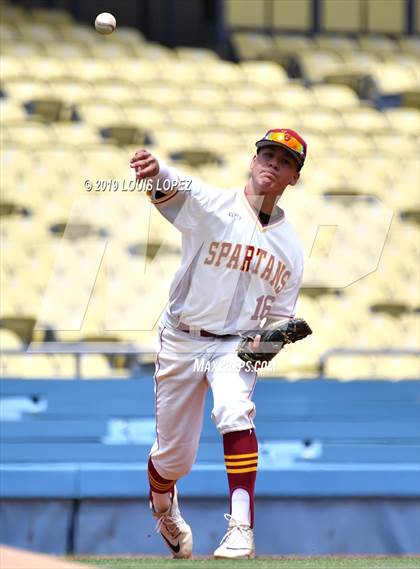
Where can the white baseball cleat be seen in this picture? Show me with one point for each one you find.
(174, 530)
(238, 543)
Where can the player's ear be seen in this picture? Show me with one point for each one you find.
(294, 178)
(253, 161)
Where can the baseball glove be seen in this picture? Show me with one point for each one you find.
(273, 339)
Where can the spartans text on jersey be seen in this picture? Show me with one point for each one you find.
(238, 256)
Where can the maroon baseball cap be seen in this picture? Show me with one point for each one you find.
(288, 139)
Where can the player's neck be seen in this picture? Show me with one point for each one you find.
(260, 202)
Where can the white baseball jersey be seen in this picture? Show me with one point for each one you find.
(234, 270)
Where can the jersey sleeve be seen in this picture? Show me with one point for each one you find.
(181, 199)
(285, 304)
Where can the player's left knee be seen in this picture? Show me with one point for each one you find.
(233, 417)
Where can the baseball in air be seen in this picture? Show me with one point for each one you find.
(105, 23)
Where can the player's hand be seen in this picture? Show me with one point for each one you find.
(145, 164)
(256, 343)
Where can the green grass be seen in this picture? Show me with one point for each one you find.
(259, 563)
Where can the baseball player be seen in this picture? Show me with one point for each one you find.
(241, 270)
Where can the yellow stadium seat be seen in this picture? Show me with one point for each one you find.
(224, 73)
(101, 114)
(410, 330)
(249, 96)
(295, 96)
(179, 72)
(151, 51)
(236, 118)
(290, 43)
(248, 45)
(377, 44)
(392, 78)
(27, 366)
(359, 61)
(55, 16)
(47, 68)
(317, 65)
(394, 142)
(410, 44)
(11, 111)
(21, 48)
(397, 367)
(26, 89)
(160, 94)
(65, 50)
(104, 49)
(130, 37)
(95, 366)
(404, 120)
(9, 32)
(30, 133)
(13, 14)
(146, 116)
(37, 32)
(79, 33)
(347, 368)
(208, 96)
(13, 67)
(337, 43)
(76, 134)
(72, 91)
(197, 54)
(265, 73)
(93, 70)
(272, 118)
(324, 120)
(141, 71)
(195, 117)
(365, 120)
(335, 96)
(118, 93)
(9, 340)
(173, 138)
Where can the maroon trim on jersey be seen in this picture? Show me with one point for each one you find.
(254, 215)
(164, 199)
(157, 368)
(250, 397)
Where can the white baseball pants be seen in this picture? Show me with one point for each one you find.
(185, 367)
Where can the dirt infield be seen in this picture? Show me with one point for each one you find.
(11, 558)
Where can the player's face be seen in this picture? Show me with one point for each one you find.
(272, 170)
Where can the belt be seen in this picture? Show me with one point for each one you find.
(200, 332)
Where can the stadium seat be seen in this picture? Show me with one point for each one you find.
(264, 73)
(21, 49)
(360, 119)
(37, 32)
(9, 340)
(380, 45)
(335, 96)
(338, 43)
(26, 89)
(252, 46)
(404, 120)
(13, 67)
(54, 17)
(197, 55)
(11, 112)
(69, 49)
